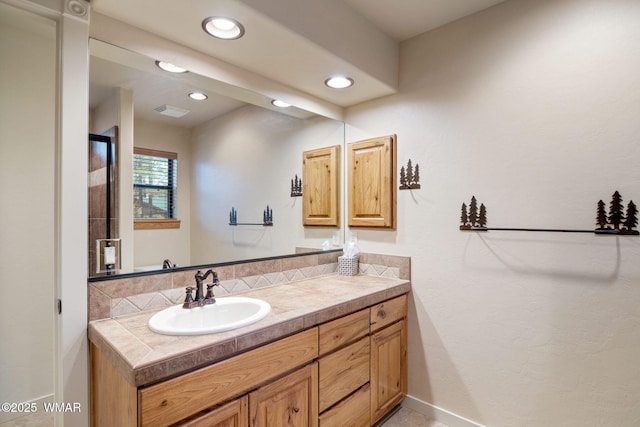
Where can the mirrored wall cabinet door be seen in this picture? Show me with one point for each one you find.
(372, 183)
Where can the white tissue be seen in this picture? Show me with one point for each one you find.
(326, 245)
(351, 248)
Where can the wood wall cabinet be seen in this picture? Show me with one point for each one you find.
(321, 187)
(347, 372)
(372, 182)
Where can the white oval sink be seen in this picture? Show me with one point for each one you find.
(225, 315)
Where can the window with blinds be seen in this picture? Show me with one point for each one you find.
(154, 184)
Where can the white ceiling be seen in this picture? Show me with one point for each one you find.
(113, 67)
(403, 19)
(299, 43)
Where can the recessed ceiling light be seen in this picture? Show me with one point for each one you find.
(339, 82)
(279, 103)
(223, 28)
(167, 66)
(198, 96)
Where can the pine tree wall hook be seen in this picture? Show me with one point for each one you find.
(296, 187)
(410, 177)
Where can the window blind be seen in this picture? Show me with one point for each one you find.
(154, 184)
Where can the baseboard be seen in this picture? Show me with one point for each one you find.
(438, 414)
(9, 416)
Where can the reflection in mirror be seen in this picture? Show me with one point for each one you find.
(230, 154)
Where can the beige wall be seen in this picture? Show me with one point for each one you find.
(246, 159)
(532, 106)
(27, 212)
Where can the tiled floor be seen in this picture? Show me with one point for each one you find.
(38, 419)
(408, 418)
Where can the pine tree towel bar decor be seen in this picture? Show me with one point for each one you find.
(617, 221)
(267, 218)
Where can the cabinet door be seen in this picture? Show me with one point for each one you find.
(388, 368)
(321, 184)
(233, 414)
(291, 401)
(372, 182)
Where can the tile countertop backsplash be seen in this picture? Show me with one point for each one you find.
(117, 297)
(145, 357)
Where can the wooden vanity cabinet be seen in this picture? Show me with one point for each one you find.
(348, 372)
(388, 356)
(363, 365)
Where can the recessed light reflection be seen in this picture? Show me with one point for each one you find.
(339, 82)
(279, 103)
(167, 66)
(198, 96)
(223, 28)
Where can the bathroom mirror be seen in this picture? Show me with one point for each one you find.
(231, 154)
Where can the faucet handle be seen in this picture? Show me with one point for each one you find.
(188, 301)
(209, 297)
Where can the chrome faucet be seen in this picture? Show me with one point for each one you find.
(167, 264)
(201, 299)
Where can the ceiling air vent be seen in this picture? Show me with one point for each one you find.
(171, 110)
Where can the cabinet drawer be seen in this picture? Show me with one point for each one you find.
(165, 403)
(342, 331)
(388, 312)
(343, 372)
(352, 412)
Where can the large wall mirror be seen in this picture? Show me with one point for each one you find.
(230, 154)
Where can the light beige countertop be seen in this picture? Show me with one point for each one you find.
(145, 357)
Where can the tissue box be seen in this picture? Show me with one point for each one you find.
(347, 266)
